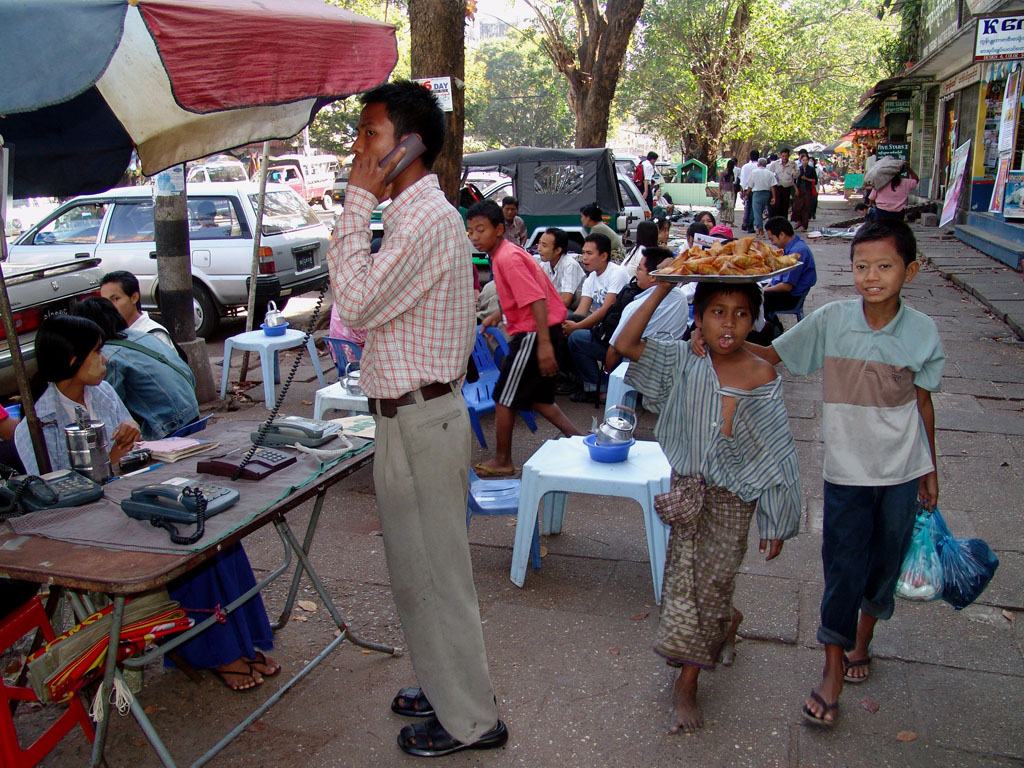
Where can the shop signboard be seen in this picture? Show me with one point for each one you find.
(1013, 202)
(999, 187)
(956, 183)
(902, 151)
(896, 106)
(1011, 105)
(961, 80)
(940, 24)
(999, 37)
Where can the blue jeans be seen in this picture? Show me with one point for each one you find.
(759, 205)
(867, 532)
(588, 355)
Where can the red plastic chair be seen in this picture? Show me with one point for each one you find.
(29, 617)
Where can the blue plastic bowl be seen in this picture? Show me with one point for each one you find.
(14, 410)
(607, 454)
(275, 330)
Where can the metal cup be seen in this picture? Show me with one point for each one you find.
(88, 451)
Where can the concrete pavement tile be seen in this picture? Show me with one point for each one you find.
(1011, 390)
(957, 443)
(770, 608)
(1014, 408)
(810, 611)
(815, 521)
(974, 712)
(995, 422)
(1006, 589)
(800, 560)
(933, 633)
(801, 408)
(989, 492)
(961, 386)
(950, 402)
(1017, 442)
(806, 429)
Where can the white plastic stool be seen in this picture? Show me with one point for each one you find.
(336, 395)
(268, 347)
(619, 392)
(564, 466)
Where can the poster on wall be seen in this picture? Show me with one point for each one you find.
(956, 182)
(999, 188)
(1013, 203)
(1008, 120)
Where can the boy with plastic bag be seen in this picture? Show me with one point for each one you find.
(881, 360)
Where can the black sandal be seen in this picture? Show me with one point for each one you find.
(813, 719)
(428, 738)
(412, 702)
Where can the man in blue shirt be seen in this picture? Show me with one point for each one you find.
(786, 290)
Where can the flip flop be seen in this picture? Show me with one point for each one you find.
(821, 721)
(415, 703)
(482, 470)
(223, 674)
(261, 659)
(848, 664)
(432, 740)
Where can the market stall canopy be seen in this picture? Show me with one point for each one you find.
(842, 147)
(811, 146)
(86, 81)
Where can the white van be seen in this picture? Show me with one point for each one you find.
(216, 169)
(117, 227)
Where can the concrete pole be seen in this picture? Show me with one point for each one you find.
(170, 223)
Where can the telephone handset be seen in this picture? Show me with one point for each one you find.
(63, 488)
(414, 147)
(170, 500)
(289, 430)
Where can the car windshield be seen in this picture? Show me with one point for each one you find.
(284, 212)
(226, 173)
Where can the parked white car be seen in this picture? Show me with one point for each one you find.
(117, 227)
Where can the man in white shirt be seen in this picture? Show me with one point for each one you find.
(745, 171)
(563, 270)
(648, 169)
(122, 290)
(785, 171)
(669, 319)
(763, 186)
(600, 290)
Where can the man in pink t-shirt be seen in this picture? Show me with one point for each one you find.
(891, 199)
(534, 313)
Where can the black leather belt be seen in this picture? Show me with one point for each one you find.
(389, 408)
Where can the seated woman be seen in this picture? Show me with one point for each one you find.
(158, 389)
(646, 237)
(74, 367)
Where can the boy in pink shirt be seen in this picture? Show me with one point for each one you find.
(534, 313)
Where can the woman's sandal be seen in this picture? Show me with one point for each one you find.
(226, 676)
(849, 663)
(813, 719)
(412, 702)
(260, 659)
(428, 738)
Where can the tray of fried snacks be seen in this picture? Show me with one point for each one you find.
(746, 260)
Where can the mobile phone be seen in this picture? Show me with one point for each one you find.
(414, 147)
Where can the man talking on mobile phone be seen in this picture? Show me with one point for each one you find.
(415, 298)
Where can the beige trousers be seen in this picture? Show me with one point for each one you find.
(421, 474)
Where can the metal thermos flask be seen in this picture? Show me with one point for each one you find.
(88, 449)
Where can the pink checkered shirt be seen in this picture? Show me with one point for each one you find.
(415, 295)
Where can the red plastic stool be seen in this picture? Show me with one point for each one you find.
(29, 617)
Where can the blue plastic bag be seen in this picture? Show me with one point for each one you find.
(921, 575)
(968, 565)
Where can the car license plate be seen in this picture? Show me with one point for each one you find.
(305, 258)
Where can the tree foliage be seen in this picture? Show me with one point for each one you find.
(510, 100)
(588, 45)
(751, 72)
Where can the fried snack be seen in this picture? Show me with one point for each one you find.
(746, 256)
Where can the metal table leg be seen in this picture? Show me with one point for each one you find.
(107, 685)
(307, 542)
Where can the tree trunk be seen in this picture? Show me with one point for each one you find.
(592, 69)
(437, 31)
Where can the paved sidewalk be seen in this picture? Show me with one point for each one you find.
(570, 652)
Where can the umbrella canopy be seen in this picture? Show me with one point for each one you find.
(85, 81)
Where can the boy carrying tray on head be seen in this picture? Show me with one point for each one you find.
(534, 313)
(882, 360)
(724, 429)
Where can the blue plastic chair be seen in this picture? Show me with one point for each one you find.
(196, 426)
(798, 310)
(343, 351)
(499, 497)
(479, 394)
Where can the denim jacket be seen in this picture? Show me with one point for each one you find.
(161, 400)
(102, 403)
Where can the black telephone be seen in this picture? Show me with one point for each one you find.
(289, 430)
(264, 462)
(413, 146)
(169, 501)
(29, 493)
